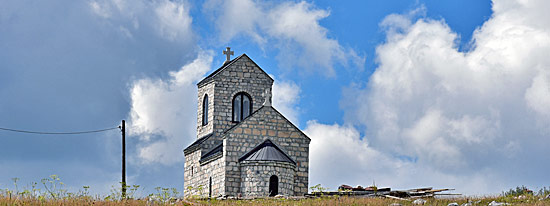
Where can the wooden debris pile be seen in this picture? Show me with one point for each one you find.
(373, 191)
(359, 188)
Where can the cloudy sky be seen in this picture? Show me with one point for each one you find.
(403, 93)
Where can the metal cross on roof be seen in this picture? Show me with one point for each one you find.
(267, 96)
(228, 53)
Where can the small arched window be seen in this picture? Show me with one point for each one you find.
(242, 105)
(205, 110)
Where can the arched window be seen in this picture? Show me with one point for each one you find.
(205, 110)
(242, 105)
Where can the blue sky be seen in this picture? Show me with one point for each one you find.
(411, 93)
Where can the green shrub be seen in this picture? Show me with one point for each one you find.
(520, 190)
(543, 192)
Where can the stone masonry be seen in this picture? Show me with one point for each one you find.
(267, 123)
(242, 75)
(255, 178)
(212, 164)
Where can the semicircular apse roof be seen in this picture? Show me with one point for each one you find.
(267, 151)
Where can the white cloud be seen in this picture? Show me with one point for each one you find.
(538, 94)
(338, 155)
(293, 28)
(117, 9)
(458, 113)
(174, 19)
(169, 19)
(285, 97)
(163, 112)
(100, 9)
(232, 21)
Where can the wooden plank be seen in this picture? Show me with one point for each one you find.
(421, 189)
(397, 198)
(439, 190)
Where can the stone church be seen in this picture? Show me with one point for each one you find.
(244, 146)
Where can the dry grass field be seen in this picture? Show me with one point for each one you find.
(51, 192)
(334, 200)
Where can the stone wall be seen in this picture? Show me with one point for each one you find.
(255, 177)
(266, 123)
(191, 173)
(208, 128)
(200, 176)
(243, 75)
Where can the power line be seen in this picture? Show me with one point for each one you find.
(122, 128)
(59, 133)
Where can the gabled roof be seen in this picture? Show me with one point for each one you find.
(246, 118)
(197, 144)
(226, 65)
(267, 151)
(253, 113)
(291, 124)
(217, 150)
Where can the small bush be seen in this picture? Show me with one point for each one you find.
(520, 190)
(543, 192)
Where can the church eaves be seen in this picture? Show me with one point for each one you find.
(212, 154)
(197, 144)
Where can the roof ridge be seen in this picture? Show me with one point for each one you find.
(295, 127)
(226, 65)
(239, 123)
(249, 116)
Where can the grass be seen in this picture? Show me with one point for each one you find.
(333, 200)
(533, 200)
(52, 193)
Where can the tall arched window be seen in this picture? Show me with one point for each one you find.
(242, 105)
(205, 110)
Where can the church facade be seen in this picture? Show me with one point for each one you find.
(244, 146)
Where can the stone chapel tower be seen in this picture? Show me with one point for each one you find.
(244, 146)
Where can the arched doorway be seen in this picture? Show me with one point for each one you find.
(273, 185)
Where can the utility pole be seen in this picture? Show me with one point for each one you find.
(123, 159)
